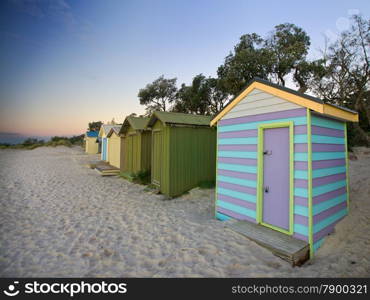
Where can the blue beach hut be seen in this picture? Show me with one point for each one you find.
(103, 132)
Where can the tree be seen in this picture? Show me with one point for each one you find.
(158, 94)
(282, 53)
(193, 98)
(346, 77)
(204, 96)
(95, 125)
(250, 59)
(288, 44)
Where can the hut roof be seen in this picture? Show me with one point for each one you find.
(137, 123)
(115, 129)
(313, 103)
(104, 129)
(179, 119)
(92, 133)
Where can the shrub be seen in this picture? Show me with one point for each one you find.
(142, 177)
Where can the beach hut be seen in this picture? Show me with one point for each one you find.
(91, 142)
(136, 152)
(114, 142)
(282, 162)
(183, 151)
(103, 132)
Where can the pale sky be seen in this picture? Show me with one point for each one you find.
(66, 63)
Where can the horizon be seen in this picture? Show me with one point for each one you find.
(67, 63)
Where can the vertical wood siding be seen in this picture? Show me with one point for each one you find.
(237, 166)
(329, 176)
(92, 147)
(137, 151)
(160, 157)
(146, 147)
(187, 157)
(192, 157)
(114, 150)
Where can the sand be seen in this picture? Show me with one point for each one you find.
(60, 218)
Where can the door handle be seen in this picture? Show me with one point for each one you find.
(267, 189)
(267, 152)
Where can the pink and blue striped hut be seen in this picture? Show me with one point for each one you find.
(282, 161)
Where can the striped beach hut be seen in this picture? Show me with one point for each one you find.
(103, 132)
(114, 142)
(183, 151)
(282, 161)
(91, 142)
(136, 151)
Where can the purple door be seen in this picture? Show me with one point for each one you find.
(276, 177)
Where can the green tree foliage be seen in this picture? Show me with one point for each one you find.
(95, 125)
(32, 141)
(250, 59)
(345, 80)
(77, 139)
(282, 53)
(159, 94)
(202, 97)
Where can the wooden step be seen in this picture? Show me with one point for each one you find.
(106, 169)
(282, 245)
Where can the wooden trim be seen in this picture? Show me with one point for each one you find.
(309, 170)
(260, 170)
(315, 106)
(340, 113)
(233, 103)
(347, 165)
(216, 184)
(290, 97)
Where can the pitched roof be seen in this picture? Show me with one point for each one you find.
(179, 119)
(91, 133)
(115, 129)
(104, 129)
(137, 123)
(291, 95)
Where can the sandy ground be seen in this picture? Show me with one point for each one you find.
(59, 218)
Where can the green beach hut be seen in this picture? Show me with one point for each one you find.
(183, 151)
(136, 153)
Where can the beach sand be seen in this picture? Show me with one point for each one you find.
(60, 218)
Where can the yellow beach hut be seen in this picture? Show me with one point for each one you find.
(91, 142)
(114, 142)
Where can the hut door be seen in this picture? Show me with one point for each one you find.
(129, 155)
(276, 178)
(157, 157)
(104, 149)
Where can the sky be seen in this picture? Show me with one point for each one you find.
(65, 63)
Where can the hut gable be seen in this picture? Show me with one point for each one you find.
(104, 130)
(115, 129)
(259, 102)
(261, 96)
(135, 123)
